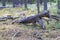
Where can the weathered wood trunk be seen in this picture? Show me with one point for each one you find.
(45, 4)
(34, 19)
(37, 18)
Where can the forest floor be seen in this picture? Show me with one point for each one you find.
(16, 31)
(22, 32)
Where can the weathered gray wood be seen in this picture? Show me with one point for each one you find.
(40, 21)
(37, 18)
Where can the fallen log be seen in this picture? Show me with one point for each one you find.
(34, 19)
(55, 17)
(8, 17)
(37, 18)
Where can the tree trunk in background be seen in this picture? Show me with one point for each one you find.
(58, 7)
(30, 1)
(15, 3)
(38, 6)
(25, 2)
(58, 4)
(21, 2)
(3, 2)
(45, 4)
(40, 1)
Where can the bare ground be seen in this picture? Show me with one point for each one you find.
(10, 31)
